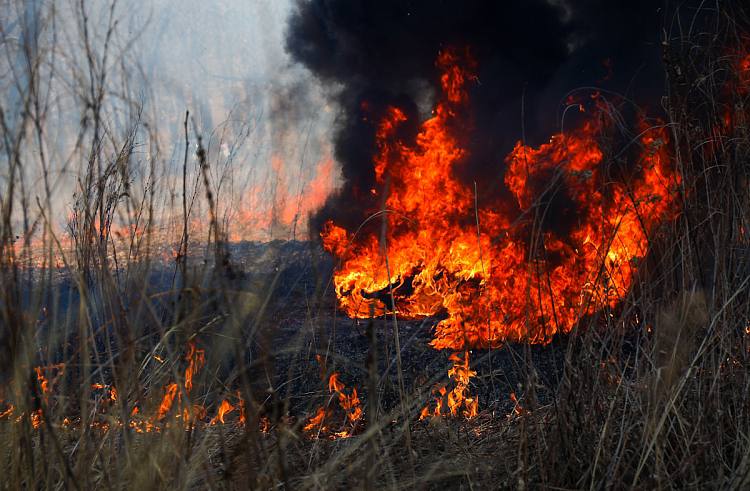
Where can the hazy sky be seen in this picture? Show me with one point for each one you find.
(211, 54)
(225, 61)
(265, 121)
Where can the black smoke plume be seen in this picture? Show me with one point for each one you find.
(530, 54)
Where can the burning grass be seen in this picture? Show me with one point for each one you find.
(515, 273)
(615, 354)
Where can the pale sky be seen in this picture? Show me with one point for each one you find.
(226, 60)
(264, 120)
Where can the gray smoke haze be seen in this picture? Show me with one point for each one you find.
(262, 118)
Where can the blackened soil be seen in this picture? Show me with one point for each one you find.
(310, 339)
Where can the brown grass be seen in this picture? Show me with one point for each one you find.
(653, 394)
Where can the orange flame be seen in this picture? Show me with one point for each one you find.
(316, 422)
(265, 424)
(225, 408)
(196, 359)
(518, 410)
(349, 403)
(242, 418)
(111, 391)
(171, 403)
(9, 408)
(166, 402)
(36, 418)
(475, 266)
(460, 396)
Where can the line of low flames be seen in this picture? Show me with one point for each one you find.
(189, 414)
(458, 402)
(323, 424)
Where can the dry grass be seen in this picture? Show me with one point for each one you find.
(651, 395)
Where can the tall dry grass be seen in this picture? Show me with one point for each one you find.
(653, 394)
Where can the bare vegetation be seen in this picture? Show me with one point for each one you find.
(653, 394)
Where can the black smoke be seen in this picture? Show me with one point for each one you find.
(530, 54)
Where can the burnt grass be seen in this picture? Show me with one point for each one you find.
(651, 394)
(293, 337)
(312, 326)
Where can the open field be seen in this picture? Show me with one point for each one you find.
(143, 347)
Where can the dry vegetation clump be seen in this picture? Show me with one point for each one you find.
(653, 394)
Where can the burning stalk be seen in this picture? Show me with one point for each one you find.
(349, 403)
(459, 397)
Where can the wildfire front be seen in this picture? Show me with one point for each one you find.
(506, 268)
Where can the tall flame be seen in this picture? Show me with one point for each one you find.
(196, 358)
(493, 273)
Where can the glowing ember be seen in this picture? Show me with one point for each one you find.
(744, 71)
(498, 273)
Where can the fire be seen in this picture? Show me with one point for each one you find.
(733, 116)
(9, 408)
(744, 73)
(242, 418)
(494, 274)
(172, 408)
(518, 410)
(166, 403)
(315, 423)
(47, 376)
(282, 210)
(36, 419)
(43, 383)
(225, 408)
(109, 391)
(196, 358)
(349, 403)
(459, 397)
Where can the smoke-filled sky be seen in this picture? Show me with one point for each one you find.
(210, 55)
(275, 87)
(226, 61)
(262, 118)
